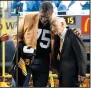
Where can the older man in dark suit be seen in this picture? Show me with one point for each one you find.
(72, 54)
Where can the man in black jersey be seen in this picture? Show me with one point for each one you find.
(42, 58)
(40, 65)
(34, 31)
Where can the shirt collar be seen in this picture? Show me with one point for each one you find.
(63, 33)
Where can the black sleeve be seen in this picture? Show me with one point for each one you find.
(0, 40)
(56, 46)
(25, 55)
(79, 49)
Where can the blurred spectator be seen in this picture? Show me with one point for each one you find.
(16, 4)
(57, 3)
(63, 5)
(75, 8)
(30, 6)
(71, 3)
(86, 6)
(55, 11)
(33, 5)
(24, 6)
(69, 6)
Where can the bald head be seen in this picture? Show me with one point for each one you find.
(59, 20)
(57, 25)
(45, 12)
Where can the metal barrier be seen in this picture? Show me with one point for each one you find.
(85, 84)
(3, 45)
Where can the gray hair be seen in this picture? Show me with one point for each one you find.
(59, 19)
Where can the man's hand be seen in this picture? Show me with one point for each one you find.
(4, 37)
(81, 78)
(77, 31)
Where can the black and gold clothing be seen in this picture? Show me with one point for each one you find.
(43, 41)
(40, 65)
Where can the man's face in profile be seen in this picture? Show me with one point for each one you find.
(45, 17)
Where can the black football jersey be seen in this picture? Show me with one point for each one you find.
(43, 41)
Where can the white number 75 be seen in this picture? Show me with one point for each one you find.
(44, 38)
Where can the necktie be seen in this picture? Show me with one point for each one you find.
(61, 44)
(60, 48)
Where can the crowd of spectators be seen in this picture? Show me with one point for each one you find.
(60, 5)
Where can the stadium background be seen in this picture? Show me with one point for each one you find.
(76, 17)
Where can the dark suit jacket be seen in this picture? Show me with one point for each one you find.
(0, 41)
(72, 60)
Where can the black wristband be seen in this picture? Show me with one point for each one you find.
(0, 41)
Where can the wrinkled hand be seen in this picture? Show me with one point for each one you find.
(4, 37)
(80, 78)
(77, 31)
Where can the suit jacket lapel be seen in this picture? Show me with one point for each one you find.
(65, 41)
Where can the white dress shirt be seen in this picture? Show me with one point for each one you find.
(63, 34)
